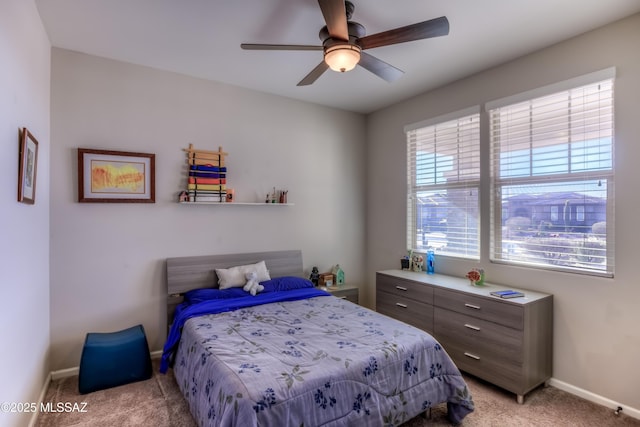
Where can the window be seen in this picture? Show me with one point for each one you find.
(552, 178)
(443, 174)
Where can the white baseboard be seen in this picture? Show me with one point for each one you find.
(64, 373)
(69, 372)
(43, 393)
(595, 398)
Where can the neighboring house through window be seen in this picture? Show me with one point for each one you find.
(552, 175)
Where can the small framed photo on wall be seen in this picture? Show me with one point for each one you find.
(28, 167)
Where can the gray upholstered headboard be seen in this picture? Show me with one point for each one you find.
(187, 273)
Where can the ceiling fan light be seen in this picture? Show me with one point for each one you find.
(342, 57)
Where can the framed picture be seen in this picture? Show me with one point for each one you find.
(28, 167)
(116, 177)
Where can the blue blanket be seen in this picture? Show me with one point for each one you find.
(185, 312)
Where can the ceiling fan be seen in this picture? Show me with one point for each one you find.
(343, 42)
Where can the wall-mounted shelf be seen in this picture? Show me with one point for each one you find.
(207, 179)
(236, 203)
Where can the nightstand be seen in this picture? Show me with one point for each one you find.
(345, 292)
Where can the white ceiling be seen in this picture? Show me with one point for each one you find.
(201, 38)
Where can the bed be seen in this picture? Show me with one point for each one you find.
(294, 355)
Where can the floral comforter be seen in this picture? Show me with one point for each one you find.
(321, 361)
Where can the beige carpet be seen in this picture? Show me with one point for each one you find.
(157, 402)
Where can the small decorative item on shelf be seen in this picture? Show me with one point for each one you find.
(476, 277)
(315, 276)
(229, 195)
(183, 196)
(431, 260)
(406, 261)
(418, 262)
(277, 196)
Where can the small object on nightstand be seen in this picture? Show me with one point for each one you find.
(338, 274)
(315, 276)
(326, 279)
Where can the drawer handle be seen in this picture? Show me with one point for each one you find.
(473, 356)
(475, 307)
(342, 297)
(401, 288)
(475, 328)
(401, 305)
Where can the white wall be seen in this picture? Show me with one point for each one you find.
(596, 334)
(24, 229)
(107, 260)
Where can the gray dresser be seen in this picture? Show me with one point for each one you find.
(508, 342)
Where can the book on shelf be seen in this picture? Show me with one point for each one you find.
(508, 293)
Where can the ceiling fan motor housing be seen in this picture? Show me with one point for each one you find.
(356, 31)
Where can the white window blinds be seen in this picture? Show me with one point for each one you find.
(443, 180)
(552, 178)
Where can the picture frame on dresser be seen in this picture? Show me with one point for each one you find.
(28, 166)
(107, 176)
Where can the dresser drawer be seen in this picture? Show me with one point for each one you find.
(506, 375)
(350, 294)
(500, 312)
(405, 288)
(406, 310)
(480, 337)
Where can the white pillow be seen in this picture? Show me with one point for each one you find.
(235, 277)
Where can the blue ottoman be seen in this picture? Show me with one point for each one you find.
(114, 358)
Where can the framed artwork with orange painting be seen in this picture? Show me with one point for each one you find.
(116, 177)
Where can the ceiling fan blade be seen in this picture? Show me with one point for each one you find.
(422, 30)
(335, 15)
(314, 74)
(380, 68)
(253, 46)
